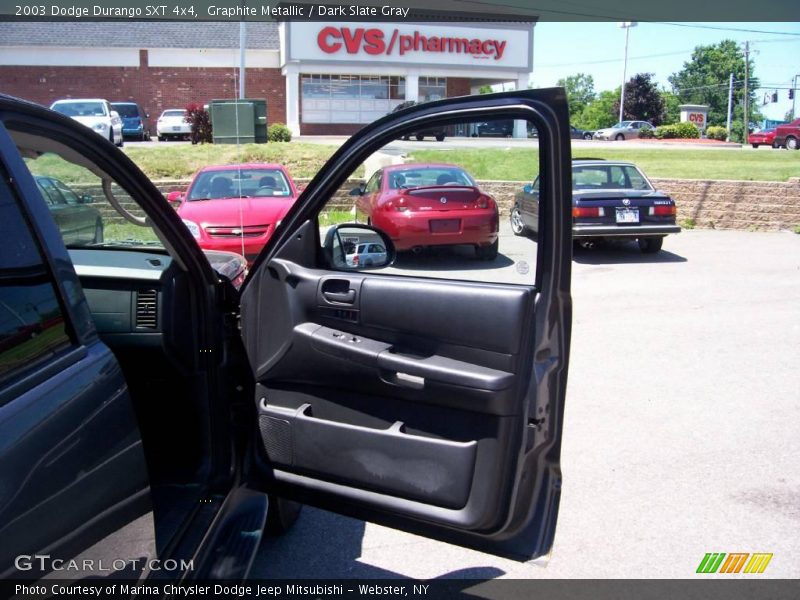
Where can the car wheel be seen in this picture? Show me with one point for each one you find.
(121, 141)
(98, 232)
(755, 145)
(281, 515)
(406, 137)
(419, 137)
(619, 138)
(791, 143)
(587, 136)
(160, 138)
(517, 226)
(487, 252)
(650, 245)
(440, 138)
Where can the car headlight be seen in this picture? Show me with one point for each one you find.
(193, 228)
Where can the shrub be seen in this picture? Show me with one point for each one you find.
(646, 133)
(678, 130)
(200, 121)
(717, 133)
(278, 132)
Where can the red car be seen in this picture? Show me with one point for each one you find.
(765, 137)
(788, 135)
(421, 205)
(236, 207)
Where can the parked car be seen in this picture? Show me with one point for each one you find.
(439, 132)
(134, 120)
(497, 128)
(580, 134)
(626, 130)
(765, 137)
(155, 403)
(172, 125)
(429, 204)
(610, 201)
(788, 135)
(96, 113)
(80, 223)
(236, 207)
(366, 255)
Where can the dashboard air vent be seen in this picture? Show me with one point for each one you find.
(147, 309)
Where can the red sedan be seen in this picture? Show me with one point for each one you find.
(765, 137)
(421, 205)
(236, 207)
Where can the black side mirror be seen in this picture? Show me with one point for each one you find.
(358, 191)
(356, 247)
(86, 199)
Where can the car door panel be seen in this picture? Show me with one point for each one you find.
(410, 401)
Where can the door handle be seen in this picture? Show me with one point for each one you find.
(347, 297)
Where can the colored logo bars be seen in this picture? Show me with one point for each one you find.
(717, 562)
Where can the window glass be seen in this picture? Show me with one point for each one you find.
(239, 183)
(448, 214)
(432, 88)
(80, 109)
(128, 111)
(32, 327)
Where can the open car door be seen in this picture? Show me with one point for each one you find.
(427, 405)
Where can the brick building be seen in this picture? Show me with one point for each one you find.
(317, 78)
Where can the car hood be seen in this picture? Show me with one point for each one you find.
(236, 211)
(93, 120)
(608, 130)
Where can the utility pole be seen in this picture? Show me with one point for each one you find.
(626, 25)
(794, 95)
(730, 105)
(242, 47)
(746, 90)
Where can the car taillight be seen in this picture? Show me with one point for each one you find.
(664, 210)
(484, 202)
(355, 260)
(588, 211)
(400, 206)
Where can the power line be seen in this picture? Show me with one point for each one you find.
(728, 29)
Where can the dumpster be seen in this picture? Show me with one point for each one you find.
(239, 121)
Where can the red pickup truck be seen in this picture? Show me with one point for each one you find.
(788, 135)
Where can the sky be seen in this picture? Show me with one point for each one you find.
(562, 49)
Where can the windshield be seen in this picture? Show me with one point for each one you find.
(621, 125)
(126, 110)
(423, 177)
(173, 113)
(80, 109)
(608, 177)
(239, 183)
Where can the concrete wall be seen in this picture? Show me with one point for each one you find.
(749, 205)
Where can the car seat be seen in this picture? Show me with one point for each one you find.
(221, 187)
(444, 179)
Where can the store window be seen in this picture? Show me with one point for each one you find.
(349, 98)
(432, 88)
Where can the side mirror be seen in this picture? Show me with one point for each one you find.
(358, 191)
(528, 189)
(114, 114)
(86, 199)
(175, 197)
(356, 247)
(146, 115)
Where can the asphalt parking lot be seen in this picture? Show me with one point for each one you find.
(681, 427)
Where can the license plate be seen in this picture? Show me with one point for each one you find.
(177, 128)
(445, 225)
(627, 215)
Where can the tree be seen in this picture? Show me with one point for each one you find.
(580, 93)
(672, 111)
(600, 112)
(643, 101)
(704, 80)
(485, 89)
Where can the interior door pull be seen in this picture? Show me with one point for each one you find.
(347, 297)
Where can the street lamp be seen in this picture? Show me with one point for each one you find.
(626, 25)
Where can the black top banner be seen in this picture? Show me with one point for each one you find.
(400, 10)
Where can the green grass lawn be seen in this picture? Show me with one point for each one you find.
(521, 164)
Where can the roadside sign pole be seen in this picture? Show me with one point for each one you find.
(730, 104)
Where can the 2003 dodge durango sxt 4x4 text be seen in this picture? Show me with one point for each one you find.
(143, 396)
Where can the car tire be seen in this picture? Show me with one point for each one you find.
(160, 138)
(517, 226)
(587, 137)
(440, 138)
(650, 245)
(619, 138)
(281, 515)
(755, 145)
(419, 137)
(121, 141)
(99, 237)
(791, 143)
(487, 252)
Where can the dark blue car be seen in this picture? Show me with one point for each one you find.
(135, 123)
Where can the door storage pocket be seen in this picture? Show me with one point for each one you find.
(388, 461)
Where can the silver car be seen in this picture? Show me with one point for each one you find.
(366, 255)
(96, 113)
(626, 130)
